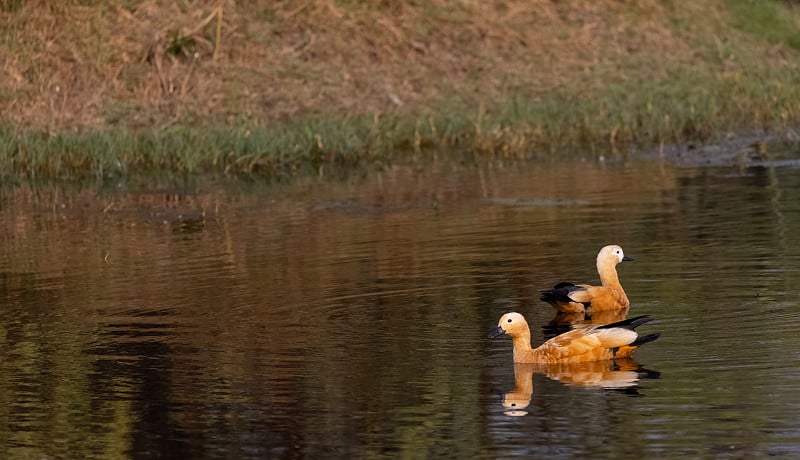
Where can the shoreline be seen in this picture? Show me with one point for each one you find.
(265, 90)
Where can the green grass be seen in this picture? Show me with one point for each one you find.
(688, 109)
(662, 72)
(767, 19)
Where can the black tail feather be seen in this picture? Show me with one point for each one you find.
(559, 293)
(641, 340)
(630, 323)
(555, 295)
(564, 284)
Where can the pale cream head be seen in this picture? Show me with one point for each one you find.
(611, 254)
(513, 324)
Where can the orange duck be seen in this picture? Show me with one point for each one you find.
(576, 298)
(589, 343)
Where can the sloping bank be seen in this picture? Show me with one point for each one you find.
(95, 88)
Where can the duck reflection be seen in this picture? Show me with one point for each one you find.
(617, 374)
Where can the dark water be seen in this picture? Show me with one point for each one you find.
(328, 319)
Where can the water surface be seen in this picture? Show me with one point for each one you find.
(223, 319)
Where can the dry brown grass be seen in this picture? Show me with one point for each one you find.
(100, 87)
(95, 64)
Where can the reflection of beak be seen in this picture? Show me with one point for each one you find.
(515, 400)
(496, 332)
(627, 259)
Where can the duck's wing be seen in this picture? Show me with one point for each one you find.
(561, 296)
(571, 345)
(630, 324)
(627, 350)
(589, 343)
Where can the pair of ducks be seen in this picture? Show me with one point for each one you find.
(584, 343)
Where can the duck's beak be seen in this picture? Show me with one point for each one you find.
(627, 259)
(496, 332)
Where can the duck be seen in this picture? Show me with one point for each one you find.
(575, 298)
(586, 343)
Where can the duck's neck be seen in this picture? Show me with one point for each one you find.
(522, 345)
(608, 276)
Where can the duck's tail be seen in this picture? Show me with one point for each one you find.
(560, 293)
(627, 350)
(630, 323)
(643, 339)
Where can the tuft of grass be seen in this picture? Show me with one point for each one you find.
(773, 20)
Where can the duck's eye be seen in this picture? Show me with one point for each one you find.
(509, 320)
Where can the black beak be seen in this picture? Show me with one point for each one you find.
(627, 259)
(496, 332)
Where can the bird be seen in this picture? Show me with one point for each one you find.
(575, 298)
(587, 343)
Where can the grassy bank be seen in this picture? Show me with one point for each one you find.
(321, 85)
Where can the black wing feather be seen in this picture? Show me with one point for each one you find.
(561, 292)
(630, 323)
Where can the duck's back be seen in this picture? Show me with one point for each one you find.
(590, 343)
(601, 298)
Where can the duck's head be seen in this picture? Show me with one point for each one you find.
(612, 254)
(512, 324)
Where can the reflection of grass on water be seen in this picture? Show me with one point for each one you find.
(545, 79)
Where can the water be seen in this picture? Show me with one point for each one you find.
(349, 319)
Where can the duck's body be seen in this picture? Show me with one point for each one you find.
(574, 298)
(590, 343)
(564, 322)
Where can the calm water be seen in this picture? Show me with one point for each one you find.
(330, 319)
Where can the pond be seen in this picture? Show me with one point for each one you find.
(349, 318)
